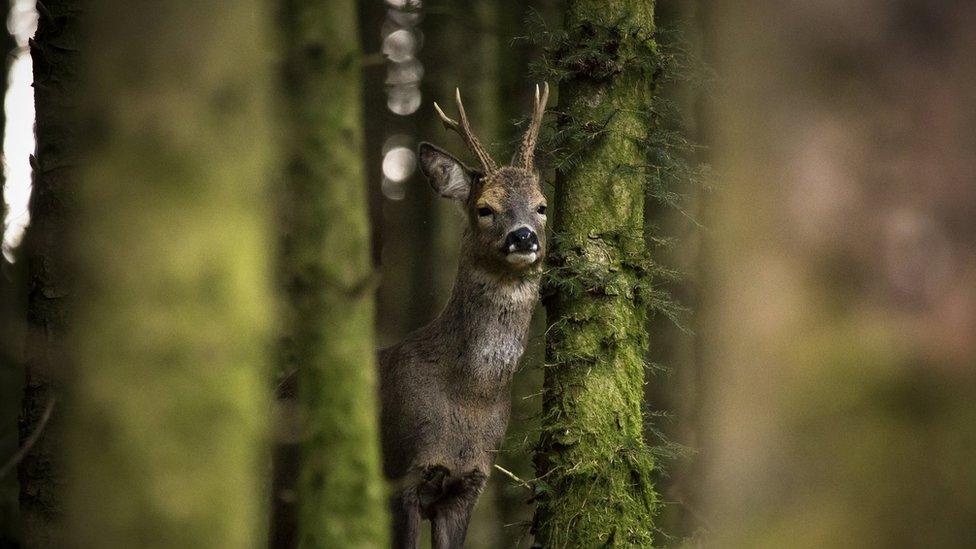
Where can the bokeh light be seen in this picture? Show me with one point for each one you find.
(399, 163)
(408, 72)
(404, 99)
(18, 142)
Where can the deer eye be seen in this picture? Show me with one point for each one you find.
(485, 212)
(541, 209)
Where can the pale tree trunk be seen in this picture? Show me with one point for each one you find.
(843, 304)
(325, 262)
(166, 424)
(593, 464)
(55, 51)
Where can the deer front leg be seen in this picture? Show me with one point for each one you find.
(405, 511)
(449, 523)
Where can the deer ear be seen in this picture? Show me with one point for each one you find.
(446, 174)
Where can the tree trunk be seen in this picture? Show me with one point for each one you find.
(327, 270)
(12, 321)
(843, 287)
(55, 53)
(594, 467)
(166, 426)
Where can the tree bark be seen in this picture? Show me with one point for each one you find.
(166, 426)
(594, 467)
(55, 52)
(12, 325)
(327, 271)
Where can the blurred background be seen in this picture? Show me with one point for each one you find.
(822, 391)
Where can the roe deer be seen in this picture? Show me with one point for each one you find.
(445, 389)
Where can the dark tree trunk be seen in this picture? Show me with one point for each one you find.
(55, 51)
(12, 320)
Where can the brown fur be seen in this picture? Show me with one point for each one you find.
(445, 388)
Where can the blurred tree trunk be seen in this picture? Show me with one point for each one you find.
(594, 467)
(55, 54)
(166, 427)
(842, 344)
(372, 15)
(12, 317)
(326, 267)
(412, 287)
(674, 392)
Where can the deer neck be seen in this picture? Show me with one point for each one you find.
(488, 317)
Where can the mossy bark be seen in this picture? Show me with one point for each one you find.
(166, 424)
(326, 268)
(55, 52)
(594, 486)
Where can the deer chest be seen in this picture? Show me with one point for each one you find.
(491, 362)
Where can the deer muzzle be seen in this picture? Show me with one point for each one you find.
(522, 246)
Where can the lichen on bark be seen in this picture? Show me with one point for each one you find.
(594, 486)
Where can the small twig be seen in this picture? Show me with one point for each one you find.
(31, 440)
(512, 476)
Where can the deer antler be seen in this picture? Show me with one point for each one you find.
(526, 153)
(464, 130)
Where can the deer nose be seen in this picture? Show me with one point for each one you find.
(522, 239)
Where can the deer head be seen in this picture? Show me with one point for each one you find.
(504, 206)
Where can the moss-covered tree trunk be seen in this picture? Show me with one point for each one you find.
(594, 467)
(326, 268)
(55, 51)
(166, 422)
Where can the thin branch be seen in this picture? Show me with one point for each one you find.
(31, 440)
(512, 476)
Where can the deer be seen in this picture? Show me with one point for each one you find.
(445, 389)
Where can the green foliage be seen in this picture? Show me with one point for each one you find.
(636, 276)
(592, 51)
